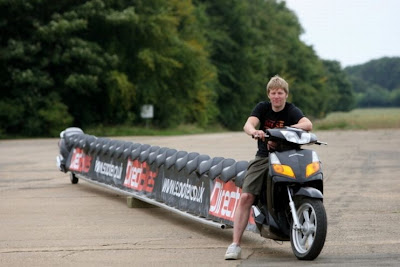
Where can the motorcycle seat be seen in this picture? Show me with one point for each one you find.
(89, 142)
(98, 145)
(181, 162)
(171, 160)
(119, 149)
(206, 166)
(113, 146)
(153, 154)
(234, 171)
(193, 165)
(136, 152)
(104, 147)
(143, 156)
(216, 170)
(128, 150)
(160, 159)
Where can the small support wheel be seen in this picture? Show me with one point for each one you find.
(73, 178)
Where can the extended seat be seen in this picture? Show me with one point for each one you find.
(70, 132)
(169, 161)
(205, 166)
(128, 150)
(218, 168)
(81, 141)
(88, 142)
(99, 145)
(105, 146)
(69, 135)
(92, 146)
(145, 154)
(136, 152)
(69, 142)
(160, 159)
(75, 140)
(111, 148)
(153, 155)
(241, 173)
(192, 165)
(237, 171)
(120, 147)
(181, 162)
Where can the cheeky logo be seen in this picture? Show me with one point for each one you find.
(139, 176)
(224, 200)
(80, 162)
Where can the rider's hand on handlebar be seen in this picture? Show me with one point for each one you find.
(259, 134)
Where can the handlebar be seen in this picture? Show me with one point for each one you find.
(291, 138)
(321, 143)
(256, 136)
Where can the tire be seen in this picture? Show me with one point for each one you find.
(308, 242)
(73, 178)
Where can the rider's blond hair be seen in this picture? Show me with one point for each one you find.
(277, 82)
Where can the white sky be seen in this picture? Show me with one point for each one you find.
(350, 31)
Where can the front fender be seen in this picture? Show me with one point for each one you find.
(309, 192)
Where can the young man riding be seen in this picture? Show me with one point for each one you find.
(276, 113)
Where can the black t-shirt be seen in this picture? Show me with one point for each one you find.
(270, 119)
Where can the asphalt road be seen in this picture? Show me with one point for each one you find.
(47, 221)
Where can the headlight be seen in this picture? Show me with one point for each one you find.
(294, 138)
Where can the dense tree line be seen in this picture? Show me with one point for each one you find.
(83, 63)
(377, 82)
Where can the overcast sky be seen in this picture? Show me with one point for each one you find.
(350, 31)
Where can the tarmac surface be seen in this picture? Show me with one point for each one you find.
(47, 221)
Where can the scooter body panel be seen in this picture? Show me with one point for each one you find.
(274, 202)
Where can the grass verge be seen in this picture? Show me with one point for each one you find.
(357, 119)
(360, 119)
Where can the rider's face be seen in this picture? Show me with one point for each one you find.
(278, 98)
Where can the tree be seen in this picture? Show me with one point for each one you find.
(163, 52)
(250, 43)
(83, 63)
(49, 69)
(342, 96)
(376, 82)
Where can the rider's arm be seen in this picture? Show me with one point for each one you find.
(250, 127)
(304, 124)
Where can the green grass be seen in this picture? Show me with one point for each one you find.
(360, 119)
(357, 119)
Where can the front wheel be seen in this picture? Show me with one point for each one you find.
(308, 241)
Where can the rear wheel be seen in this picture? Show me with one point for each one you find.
(308, 241)
(73, 178)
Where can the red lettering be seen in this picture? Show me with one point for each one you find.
(224, 200)
(139, 176)
(80, 162)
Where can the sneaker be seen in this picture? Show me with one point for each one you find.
(233, 252)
